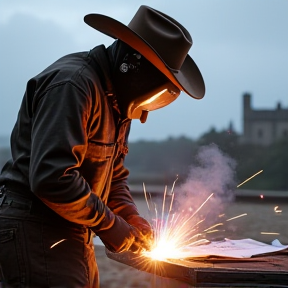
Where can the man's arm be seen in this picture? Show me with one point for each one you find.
(121, 203)
(58, 147)
(120, 200)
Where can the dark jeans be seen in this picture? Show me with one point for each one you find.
(38, 248)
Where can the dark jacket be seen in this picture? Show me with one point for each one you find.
(69, 142)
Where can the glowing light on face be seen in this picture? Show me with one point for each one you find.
(150, 100)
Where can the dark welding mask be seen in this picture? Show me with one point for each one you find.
(140, 87)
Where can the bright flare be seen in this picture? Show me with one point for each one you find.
(174, 234)
(164, 249)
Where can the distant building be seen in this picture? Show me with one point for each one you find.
(263, 126)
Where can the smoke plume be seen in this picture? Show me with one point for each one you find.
(213, 172)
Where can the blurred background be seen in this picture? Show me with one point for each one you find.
(240, 46)
(241, 49)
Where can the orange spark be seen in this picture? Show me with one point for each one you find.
(250, 178)
(145, 194)
(236, 217)
(277, 210)
(213, 227)
(52, 246)
(212, 231)
(270, 233)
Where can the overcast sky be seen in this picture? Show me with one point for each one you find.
(239, 46)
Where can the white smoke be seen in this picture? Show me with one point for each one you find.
(214, 172)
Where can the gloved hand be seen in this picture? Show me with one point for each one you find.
(144, 237)
(120, 237)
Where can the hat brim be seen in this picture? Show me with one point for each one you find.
(188, 78)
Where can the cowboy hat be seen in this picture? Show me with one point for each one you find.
(161, 40)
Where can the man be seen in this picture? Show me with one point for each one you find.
(66, 179)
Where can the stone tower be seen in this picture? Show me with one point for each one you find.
(263, 126)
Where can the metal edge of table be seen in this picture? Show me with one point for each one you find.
(207, 274)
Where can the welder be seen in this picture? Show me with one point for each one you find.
(66, 181)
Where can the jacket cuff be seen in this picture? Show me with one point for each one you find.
(107, 221)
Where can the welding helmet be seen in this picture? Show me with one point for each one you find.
(162, 41)
(140, 87)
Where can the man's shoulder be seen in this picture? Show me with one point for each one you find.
(74, 68)
(65, 67)
(76, 63)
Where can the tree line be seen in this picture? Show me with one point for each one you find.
(161, 162)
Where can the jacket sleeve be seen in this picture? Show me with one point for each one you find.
(120, 200)
(58, 146)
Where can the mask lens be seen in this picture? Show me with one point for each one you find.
(157, 99)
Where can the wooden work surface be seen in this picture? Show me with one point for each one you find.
(261, 271)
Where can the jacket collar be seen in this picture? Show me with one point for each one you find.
(102, 66)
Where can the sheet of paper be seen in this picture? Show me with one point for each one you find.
(244, 248)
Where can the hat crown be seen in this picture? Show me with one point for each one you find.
(161, 40)
(168, 38)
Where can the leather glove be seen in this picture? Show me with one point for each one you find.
(144, 236)
(120, 237)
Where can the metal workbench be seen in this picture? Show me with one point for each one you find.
(269, 270)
